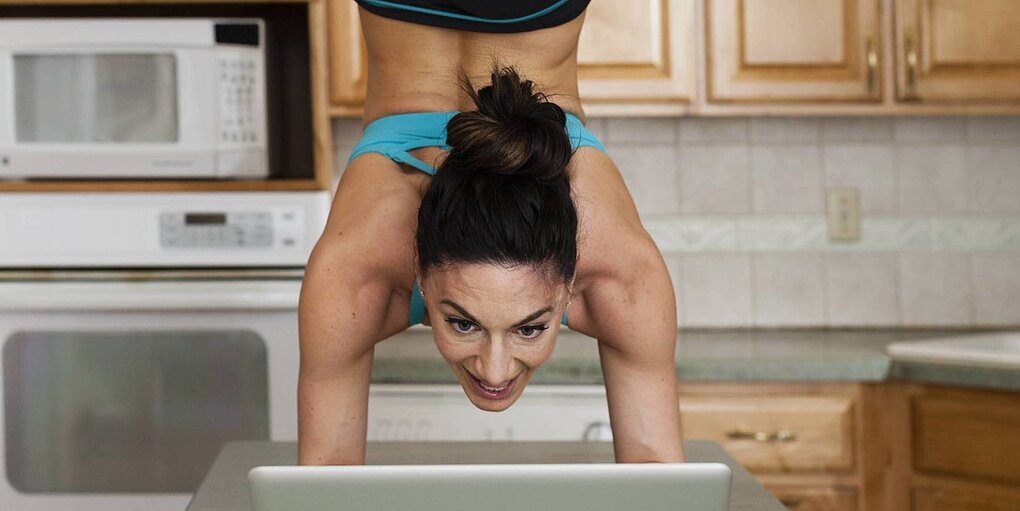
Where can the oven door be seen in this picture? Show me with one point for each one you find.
(118, 394)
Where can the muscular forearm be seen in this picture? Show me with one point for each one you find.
(644, 410)
(332, 425)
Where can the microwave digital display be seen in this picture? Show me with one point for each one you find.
(96, 98)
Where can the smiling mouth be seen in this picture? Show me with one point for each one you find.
(492, 392)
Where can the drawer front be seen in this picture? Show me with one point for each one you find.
(967, 433)
(806, 498)
(776, 433)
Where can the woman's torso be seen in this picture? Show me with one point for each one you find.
(415, 68)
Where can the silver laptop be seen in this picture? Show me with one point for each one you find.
(588, 487)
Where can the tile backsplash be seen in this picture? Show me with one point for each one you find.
(737, 205)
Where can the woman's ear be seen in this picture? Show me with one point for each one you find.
(425, 319)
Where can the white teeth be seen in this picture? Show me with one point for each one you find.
(494, 390)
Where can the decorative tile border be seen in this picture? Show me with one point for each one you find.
(678, 234)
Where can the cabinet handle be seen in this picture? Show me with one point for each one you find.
(782, 435)
(872, 56)
(910, 46)
(791, 502)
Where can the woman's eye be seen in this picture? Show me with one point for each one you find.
(460, 325)
(531, 331)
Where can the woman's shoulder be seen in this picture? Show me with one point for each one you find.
(606, 211)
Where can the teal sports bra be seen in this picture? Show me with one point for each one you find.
(394, 136)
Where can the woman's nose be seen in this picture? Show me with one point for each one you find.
(495, 363)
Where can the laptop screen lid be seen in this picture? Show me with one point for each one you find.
(552, 487)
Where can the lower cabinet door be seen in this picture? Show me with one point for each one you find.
(971, 434)
(964, 496)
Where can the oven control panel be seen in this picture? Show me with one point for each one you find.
(266, 229)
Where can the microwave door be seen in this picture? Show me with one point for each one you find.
(54, 98)
(113, 113)
(104, 98)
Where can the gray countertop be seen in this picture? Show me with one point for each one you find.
(856, 355)
(225, 487)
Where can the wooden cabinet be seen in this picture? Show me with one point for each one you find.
(963, 496)
(748, 57)
(967, 434)
(803, 441)
(637, 50)
(782, 433)
(866, 447)
(348, 69)
(953, 449)
(793, 50)
(957, 50)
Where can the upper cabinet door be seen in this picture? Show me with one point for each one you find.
(793, 50)
(347, 58)
(637, 51)
(964, 50)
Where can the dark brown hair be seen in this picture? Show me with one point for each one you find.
(502, 194)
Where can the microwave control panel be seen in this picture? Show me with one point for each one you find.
(230, 229)
(240, 121)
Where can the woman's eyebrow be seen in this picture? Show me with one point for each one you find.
(533, 316)
(459, 309)
(467, 315)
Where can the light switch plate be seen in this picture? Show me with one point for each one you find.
(844, 213)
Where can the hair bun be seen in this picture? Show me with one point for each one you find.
(515, 131)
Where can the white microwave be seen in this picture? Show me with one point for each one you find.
(150, 98)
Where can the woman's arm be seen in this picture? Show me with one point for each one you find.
(636, 317)
(336, 360)
(627, 303)
(355, 293)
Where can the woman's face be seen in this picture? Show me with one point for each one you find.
(494, 326)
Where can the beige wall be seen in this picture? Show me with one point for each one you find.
(737, 206)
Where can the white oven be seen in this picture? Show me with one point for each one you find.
(139, 333)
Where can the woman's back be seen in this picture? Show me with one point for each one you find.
(415, 68)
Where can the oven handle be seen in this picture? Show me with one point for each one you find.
(150, 296)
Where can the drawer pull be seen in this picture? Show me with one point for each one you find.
(911, 49)
(785, 436)
(872, 60)
(782, 435)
